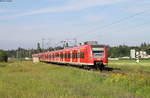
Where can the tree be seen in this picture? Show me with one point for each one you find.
(119, 51)
(3, 56)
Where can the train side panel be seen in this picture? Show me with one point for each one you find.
(82, 55)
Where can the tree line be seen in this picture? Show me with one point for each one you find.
(21, 53)
(124, 50)
(3, 56)
(114, 51)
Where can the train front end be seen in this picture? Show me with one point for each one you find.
(100, 58)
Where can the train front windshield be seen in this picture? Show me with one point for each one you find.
(98, 51)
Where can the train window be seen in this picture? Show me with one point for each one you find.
(76, 55)
(53, 56)
(61, 56)
(82, 55)
(73, 55)
(57, 55)
(68, 55)
(98, 51)
(64, 55)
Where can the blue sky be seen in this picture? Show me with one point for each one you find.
(25, 22)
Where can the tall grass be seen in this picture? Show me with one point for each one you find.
(28, 80)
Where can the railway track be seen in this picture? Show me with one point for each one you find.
(92, 68)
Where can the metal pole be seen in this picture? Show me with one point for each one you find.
(43, 44)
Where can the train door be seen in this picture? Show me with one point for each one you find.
(89, 55)
(53, 56)
(71, 56)
(82, 55)
(61, 56)
(56, 56)
(78, 55)
(50, 56)
(74, 56)
(105, 54)
(68, 56)
(47, 57)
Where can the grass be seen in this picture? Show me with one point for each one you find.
(28, 80)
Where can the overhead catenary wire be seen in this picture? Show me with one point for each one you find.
(136, 26)
(115, 22)
(111, 24)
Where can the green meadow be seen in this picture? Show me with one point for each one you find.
(124, 79)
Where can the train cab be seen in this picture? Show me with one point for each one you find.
(99, 54)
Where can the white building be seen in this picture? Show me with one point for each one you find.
(138, 54)
(132, 53)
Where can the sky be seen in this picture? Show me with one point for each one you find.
(24, 23)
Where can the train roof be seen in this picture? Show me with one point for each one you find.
(69, 48)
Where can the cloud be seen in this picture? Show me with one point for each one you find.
(136, 6)
(134, 9)
(94, 17)
(69, 5)
(4, 10)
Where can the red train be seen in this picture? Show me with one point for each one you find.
(92, 55)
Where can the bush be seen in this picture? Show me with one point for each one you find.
(3, 56)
